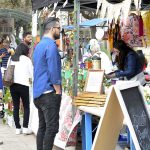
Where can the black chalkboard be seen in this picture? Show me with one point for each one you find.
(138, 114)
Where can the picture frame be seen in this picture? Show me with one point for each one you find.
(94, 81)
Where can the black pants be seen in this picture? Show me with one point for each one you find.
(48, 106)
(20, 91)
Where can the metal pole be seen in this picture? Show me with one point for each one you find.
(76, 46)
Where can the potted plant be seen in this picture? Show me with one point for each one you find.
(88, 63)
(106, 84)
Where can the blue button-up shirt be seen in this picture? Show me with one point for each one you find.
(47, 67)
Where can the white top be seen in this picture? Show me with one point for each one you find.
(23, 70)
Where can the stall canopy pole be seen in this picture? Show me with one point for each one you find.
(76, 45)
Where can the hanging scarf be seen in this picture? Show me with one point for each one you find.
(141, 26)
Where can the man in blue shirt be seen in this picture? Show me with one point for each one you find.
(47, 84)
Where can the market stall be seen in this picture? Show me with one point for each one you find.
(75, 74)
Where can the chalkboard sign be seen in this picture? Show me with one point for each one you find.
(138, 115)
(124, 103)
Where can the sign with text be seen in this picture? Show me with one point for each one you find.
(125, 101)
(138, 115)
(6, 25)
(94, 81)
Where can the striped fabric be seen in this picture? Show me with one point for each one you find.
(4, 59)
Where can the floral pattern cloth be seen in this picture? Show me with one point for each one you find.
(130, 31)
(69, 119)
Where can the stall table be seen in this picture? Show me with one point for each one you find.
(86, 128)
(87, 124)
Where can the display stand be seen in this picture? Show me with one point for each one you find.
(86, 128)
(125, 101)
(116, 110)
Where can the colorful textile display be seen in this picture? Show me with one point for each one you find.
(146, 21)
(130, 31)
(113, 33)
(141, 27)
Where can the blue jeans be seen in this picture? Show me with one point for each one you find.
(48, 106)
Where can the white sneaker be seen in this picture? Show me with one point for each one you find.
(27, 131)
(18, 131)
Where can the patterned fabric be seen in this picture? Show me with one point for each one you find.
(130, 31)
(146, 21)
(5, 58)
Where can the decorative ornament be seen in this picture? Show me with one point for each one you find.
(109, 8)
(99, 34)
(94, 45)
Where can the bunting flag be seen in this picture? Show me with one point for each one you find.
(99, 2)
(55, 5)
(137, 4)
(126, 8)
(58, 14)
(51, 13)
(111, 11)
(65, 3)
(103, 9)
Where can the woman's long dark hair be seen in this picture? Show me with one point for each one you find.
(22, 49)
(124, 49)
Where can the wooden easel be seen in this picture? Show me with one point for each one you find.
(119, 106)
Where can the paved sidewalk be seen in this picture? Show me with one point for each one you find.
(11, 141)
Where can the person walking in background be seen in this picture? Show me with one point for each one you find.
(23, 74)
(47, 84)
(129, 65)
(27, 38)
(5, 53)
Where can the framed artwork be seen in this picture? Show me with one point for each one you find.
(94, 81)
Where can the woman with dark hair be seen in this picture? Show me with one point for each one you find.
(20, 89)
(129, 65)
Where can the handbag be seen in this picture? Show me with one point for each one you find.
(8, 79)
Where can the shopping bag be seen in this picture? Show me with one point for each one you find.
(8, 79)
